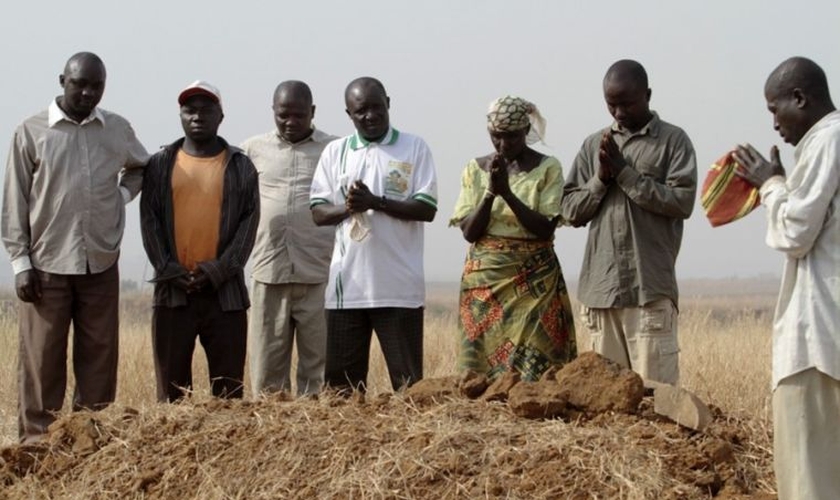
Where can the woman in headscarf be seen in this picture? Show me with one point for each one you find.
(515, 313)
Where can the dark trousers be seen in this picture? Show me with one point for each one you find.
(91, 303)
(400, 334)
(222, 334)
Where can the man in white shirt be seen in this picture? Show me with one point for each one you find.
(803, 216)
(377, 186)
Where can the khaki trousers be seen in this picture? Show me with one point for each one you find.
(643, 339)
(281, 316)
(91, 303)
(806, 440)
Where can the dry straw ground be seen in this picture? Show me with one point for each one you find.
(390, 447)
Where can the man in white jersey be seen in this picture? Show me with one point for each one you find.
(377, 186)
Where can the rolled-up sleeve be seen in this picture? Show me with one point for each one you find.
(131, 176)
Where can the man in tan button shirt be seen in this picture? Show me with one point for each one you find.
(292, 254)
(71, 169)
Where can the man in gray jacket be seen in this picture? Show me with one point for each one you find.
(634, 183)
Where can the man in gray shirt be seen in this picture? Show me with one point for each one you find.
(634, 183)
(292, 255)
(71, 169)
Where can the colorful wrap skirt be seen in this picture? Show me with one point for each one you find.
(515, 313)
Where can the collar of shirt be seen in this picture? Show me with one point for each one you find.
(651, 127)
(55, 114)
(359, 142)
(315, 136)
(823, 122)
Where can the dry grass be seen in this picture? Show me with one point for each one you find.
(383, 448)
(725, 355)
(390, 448)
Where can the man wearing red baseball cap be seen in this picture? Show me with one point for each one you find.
(199, 212)
(200, 87)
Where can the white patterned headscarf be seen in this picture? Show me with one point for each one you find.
(510, 113)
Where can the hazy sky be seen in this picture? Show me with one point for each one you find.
(442, 63)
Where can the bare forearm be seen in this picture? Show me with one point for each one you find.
(474, 225)
(329, 215)
(413, 210)
(536, 223)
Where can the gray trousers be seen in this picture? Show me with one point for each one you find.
(90, 302)
(281, 316)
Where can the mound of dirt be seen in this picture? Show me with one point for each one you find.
(587, 386)
(433, 441)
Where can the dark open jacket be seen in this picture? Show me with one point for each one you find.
(238, 228)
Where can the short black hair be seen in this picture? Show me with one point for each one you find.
(628, 69)
(79, 57)
(296, 87)
(365, 81)
(800, 73)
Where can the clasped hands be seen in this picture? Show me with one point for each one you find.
(360, 198)
(755, 169)
(499, 178)
(610, 160)
(192, 282)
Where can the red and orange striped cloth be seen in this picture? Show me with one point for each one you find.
(725, 196)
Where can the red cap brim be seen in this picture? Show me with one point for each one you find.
(194, 92)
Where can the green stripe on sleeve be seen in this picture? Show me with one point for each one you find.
(425, 199)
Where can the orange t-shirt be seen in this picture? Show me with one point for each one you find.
(197, 204)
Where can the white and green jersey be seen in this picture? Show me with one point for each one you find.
(385, 269)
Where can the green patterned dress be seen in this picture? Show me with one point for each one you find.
(515, 313)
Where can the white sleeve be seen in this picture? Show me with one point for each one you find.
(425, 176)
(797, 208)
